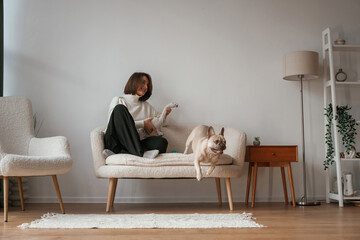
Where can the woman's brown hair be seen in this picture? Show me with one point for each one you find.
(133, 83)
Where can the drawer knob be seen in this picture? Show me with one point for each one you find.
(273, 154)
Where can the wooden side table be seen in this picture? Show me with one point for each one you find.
(271, 156)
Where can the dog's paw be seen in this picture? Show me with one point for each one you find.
(173, 105)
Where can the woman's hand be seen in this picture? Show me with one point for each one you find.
(149, 127)
(168, 111)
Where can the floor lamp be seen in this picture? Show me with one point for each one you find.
(299, 66)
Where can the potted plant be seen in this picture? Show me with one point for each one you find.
(256, 141)
(346, 127)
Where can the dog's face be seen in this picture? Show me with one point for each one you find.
(216, 143)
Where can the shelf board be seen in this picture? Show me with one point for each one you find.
(352, 198)
(343, 84)
(350, 159)
(336, 196)
(346, 48)
(356, 84)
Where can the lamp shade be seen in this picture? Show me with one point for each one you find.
(305, 63)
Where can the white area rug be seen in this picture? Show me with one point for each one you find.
(232, 220)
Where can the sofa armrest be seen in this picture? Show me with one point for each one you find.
(235, 145)
(97, 147)
(50, 146)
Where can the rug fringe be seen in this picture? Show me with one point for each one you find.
(37, 221)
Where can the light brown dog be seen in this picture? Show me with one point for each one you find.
(207, 147)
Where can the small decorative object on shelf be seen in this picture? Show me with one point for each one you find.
(351, 153)
(256, 141)
(348, 185)
(341, 76)
(357, 155)
(339, 41)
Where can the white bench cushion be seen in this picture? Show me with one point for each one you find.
(165, 159)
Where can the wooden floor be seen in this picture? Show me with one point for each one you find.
(327, 221)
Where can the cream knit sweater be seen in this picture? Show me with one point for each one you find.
(139, 110)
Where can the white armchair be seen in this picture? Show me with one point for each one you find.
(24, 155)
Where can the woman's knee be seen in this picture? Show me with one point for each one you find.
(156, 142)
(121, 111)
(163, 144)
(120, 108)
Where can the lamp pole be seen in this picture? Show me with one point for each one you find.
(303, 201)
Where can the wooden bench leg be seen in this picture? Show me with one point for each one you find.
(113, 194)
(248, 184)
(21, 193)
(228, 189)
(284, 185)
(6, 198)
(218, 188)
(110, 193)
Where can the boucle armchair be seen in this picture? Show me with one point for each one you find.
(169, 165)
(24, 155)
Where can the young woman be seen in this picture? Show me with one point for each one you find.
(129, 113)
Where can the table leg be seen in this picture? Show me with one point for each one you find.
(248, 183)
(291, 184)
(254, 185)
(284, 185)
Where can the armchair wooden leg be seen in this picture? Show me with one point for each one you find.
(110, 193)
(218, 188)
(21, 193)
(114, 191)
(6, 198)
(228, 189)
(56, 184)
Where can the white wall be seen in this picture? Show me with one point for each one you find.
(220, 60)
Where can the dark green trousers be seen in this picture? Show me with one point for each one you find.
(122, 137)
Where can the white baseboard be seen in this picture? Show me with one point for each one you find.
(53, 199)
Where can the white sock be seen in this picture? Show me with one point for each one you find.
(106, 153)
(151, 154)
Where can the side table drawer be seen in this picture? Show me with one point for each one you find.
(272, 154)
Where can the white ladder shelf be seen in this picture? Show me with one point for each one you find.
(329, 82)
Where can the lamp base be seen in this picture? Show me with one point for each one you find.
(306, 203)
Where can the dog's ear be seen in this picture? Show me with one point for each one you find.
(210, 132)
(222, 132)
